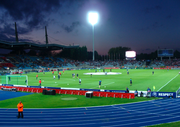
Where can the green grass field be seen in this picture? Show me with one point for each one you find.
(142, 78)
(38, 100)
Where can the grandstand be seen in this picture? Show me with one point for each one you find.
(37, 62)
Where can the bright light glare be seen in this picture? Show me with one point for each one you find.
(93, 17)
(130, 54)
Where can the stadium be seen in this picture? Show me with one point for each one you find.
(67, 85)
(60, 88)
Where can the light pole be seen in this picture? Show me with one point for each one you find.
(93, 18)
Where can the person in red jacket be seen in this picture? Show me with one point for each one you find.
(20, 109)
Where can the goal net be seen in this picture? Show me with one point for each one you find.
(15, 79)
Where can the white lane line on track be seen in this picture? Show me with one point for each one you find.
(165, 106)
(159, 121)
(167, 82)
(111, 120)
(145, 112)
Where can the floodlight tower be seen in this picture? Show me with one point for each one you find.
(93, 19)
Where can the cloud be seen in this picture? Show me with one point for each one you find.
(153, 26)
(156, 25)
(157, 7)
(169, 16)
(32, 12)
(57, 32)
(144, 28)
(147, 49)
(6, 37)
(28, 14)
(69, 13)
(70, 28)
(151, 9)
(8, 31)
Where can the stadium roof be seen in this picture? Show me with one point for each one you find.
(30, 45)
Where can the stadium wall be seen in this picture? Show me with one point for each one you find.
(37, 89)
(96, 92)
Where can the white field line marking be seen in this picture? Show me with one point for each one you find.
(167, 82)
(103, 85)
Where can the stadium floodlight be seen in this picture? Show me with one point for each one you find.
(93, 19)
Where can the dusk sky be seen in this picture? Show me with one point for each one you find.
(142, 25)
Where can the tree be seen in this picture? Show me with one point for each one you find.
(79, 53)
(176, 54)
(146, 56)
(118, 52)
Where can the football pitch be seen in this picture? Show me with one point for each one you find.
(161, 80)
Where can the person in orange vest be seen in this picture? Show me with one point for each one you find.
(20, 109)
(36, 76)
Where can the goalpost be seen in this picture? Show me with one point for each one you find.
(15, 79)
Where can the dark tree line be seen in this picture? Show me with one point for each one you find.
(154, 55)
(118, 53)
(81, 54)
(146, 56)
